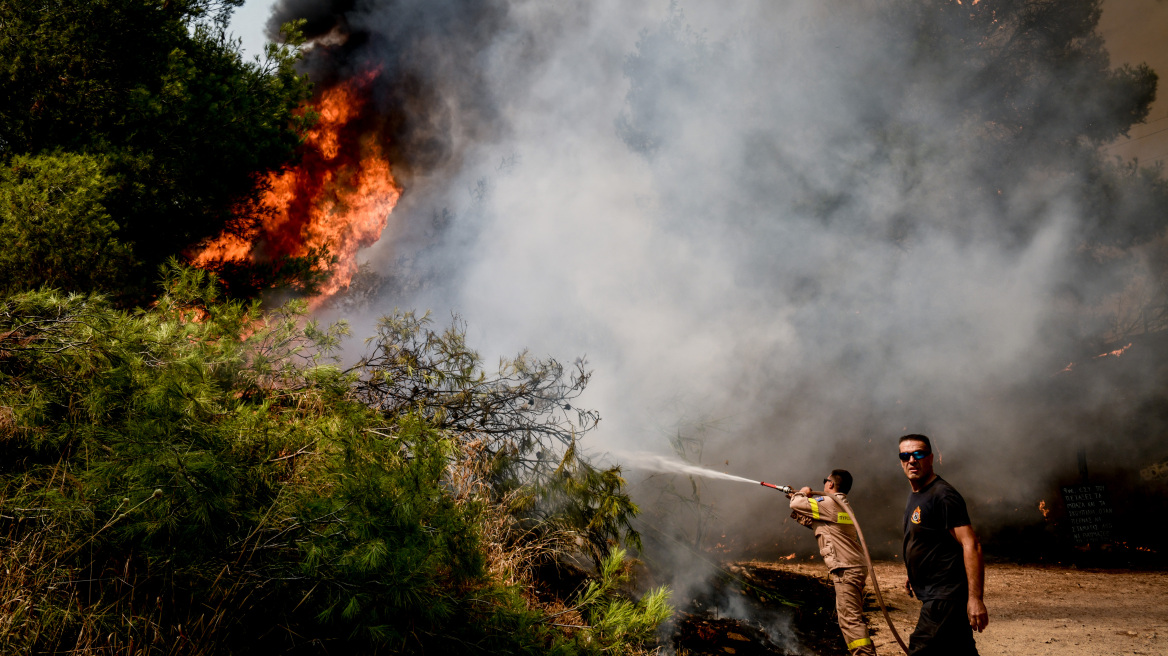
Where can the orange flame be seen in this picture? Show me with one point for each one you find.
(337, 198)
(1117, 352)
(1042, 507)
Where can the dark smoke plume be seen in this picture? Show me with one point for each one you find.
(426, 56)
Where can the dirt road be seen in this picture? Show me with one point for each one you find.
(1041, 610)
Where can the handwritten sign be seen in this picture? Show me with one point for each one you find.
(1089, 513)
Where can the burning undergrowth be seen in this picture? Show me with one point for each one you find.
(727, 606)
(751, 608)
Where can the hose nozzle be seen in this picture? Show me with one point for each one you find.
(785, 489)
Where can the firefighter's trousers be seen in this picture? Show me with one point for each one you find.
(849, 608)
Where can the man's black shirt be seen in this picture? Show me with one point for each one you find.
(935, 562)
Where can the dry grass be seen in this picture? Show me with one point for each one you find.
(515, 554)
(7, 422)
(96, 609)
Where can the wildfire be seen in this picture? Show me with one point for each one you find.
(1043, 508)
(1117, 352)
(338, 198)
(790, 557)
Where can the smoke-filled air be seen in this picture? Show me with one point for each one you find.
(791, 231)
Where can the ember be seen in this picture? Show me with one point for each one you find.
(1117, 352)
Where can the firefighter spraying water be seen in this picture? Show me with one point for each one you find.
(849, 562)
(840, 547)
(842, 502)
(858, 643)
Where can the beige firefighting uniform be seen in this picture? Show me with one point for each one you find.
(840, 547)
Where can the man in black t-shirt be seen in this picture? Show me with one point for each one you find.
(943, 558)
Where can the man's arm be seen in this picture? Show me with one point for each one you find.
(975, 574)
(801, 510)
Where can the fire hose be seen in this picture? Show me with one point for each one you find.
(863, 545)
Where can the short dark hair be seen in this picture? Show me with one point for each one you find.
(919, 438)
(842, 479)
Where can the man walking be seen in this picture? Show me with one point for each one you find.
(943, 558)
(840, 547)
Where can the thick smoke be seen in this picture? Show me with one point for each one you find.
(431, 92)
(791, 230)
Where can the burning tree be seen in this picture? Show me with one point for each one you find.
(318, 211)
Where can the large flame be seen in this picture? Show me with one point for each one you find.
(337, 198)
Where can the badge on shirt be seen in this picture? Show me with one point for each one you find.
(916, 516)
(819, 498)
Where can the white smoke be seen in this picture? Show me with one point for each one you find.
(772, 215)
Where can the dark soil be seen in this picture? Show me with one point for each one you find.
(698, 634)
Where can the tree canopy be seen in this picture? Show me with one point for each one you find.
(44, 198)
(157, 91)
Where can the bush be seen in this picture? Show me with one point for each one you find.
(202, 477)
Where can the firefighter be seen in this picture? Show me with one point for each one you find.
(840, 547)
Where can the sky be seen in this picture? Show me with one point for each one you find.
(1137, 31)
(247, 23)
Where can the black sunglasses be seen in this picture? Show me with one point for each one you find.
(915, 455)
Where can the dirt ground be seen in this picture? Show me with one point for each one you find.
(1040, 610)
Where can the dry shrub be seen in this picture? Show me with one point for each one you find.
(515, 553)
(7, 422)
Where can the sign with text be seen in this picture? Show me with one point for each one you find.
(1088, 512)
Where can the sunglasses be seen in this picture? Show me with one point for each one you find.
(915, 455)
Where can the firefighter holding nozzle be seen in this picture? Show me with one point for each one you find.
(840, 547)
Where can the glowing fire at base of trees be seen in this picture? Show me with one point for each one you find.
(336, 200)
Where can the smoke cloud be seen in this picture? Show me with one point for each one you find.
(792, 231)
